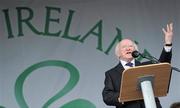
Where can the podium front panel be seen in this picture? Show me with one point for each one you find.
(129, 89)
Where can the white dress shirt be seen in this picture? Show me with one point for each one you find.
(125, 62)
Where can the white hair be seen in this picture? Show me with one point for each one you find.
(117, 48)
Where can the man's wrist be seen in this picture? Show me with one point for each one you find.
(168, 44)
(120, 101)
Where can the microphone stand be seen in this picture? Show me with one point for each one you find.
(155, 60)
(175, 68)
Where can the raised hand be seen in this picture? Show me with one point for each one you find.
(168, 33)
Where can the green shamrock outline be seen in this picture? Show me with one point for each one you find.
(74, 78)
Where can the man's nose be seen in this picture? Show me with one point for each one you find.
(128, 48)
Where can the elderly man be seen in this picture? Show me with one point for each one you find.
(123, 52)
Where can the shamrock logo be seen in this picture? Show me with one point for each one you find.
(74, 78)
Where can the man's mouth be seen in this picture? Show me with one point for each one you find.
(129, 53)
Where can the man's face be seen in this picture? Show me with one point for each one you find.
(126, 47)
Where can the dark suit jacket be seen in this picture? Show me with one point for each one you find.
(113, 80)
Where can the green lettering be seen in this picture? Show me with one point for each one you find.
(8, 23)
(25, 20)
(116, 39)
(98, 26)
(66, 31)
(49, 19)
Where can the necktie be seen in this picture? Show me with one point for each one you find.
(129, 64)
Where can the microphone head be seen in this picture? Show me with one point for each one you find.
(135, 54)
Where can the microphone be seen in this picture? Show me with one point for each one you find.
(136, 54)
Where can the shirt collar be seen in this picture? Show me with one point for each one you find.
(124, 63)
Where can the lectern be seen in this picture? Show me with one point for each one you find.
(145, 82)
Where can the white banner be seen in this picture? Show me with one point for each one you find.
(54, 54)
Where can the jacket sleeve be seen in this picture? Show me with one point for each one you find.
(165, 56)
(110, 96)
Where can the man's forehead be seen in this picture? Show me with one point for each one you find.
(125, 42)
